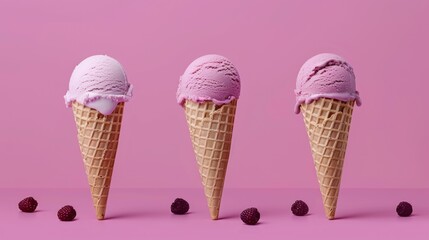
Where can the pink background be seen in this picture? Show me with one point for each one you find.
(386, 42)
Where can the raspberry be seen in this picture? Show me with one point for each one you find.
(299, 208)
(28, 205)
(250, 216)
(179, 206)
(66, 213)
(404, 209)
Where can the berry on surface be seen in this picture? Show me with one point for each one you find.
(299, 208)
(404, 209)
(66, 213)
(28, 205)
(179, 206)
(250, 216)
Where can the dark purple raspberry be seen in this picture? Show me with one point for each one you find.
(66, 213)
(179, 206)
(299, 208)
(250, 216)
(404, 209)
(28, 205)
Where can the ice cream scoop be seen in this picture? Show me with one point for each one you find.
(325, 75)
(209, 78)
(99, 82)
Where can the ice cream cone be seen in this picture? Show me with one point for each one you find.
(211, 127)
(98, 139)
(328, 123)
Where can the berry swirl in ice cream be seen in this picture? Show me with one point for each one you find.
(209, 78)
(325, 75)
(99, 82)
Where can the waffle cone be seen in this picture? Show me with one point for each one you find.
(328, 123)
(210, 127)
(98, 137)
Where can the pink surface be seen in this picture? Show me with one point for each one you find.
(325, 75)
(386, 41)
(137, 214)
(209, 78)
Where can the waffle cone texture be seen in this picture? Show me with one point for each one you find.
(210, 128)
(328, 124)
(98, 137)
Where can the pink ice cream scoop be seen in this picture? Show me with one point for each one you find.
(209, 78)
(99, 82)
(325, 75)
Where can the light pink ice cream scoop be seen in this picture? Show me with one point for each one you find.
(325, 75)
(209, 78)
(99, 82)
